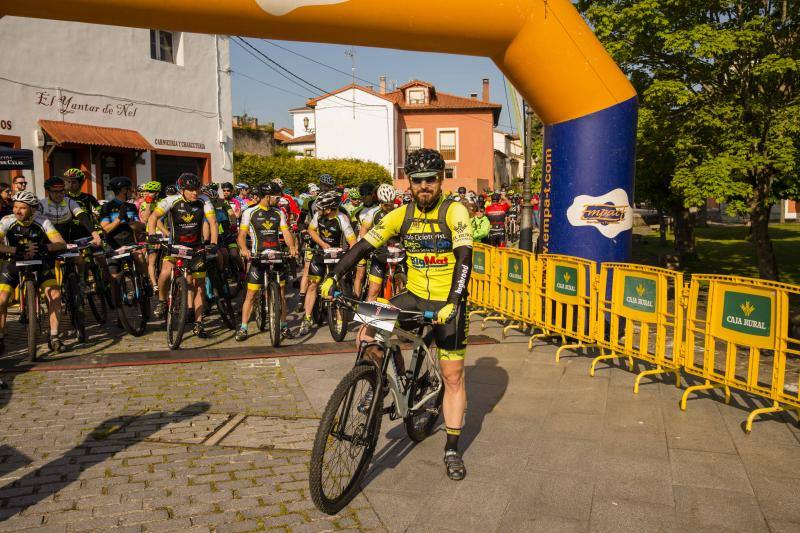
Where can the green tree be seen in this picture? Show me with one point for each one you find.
(297, 173)
(718, 85)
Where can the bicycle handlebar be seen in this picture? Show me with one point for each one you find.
(421, 316)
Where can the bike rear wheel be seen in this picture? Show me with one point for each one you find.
(262, 318)
(131, 303)
(419, 424)
(31, 299)
(95, 296)
(274, 312)
(72, 297)
(223, 300)
(339, 316)
(345, 441)
(177, 306)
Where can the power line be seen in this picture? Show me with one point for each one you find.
(246, 49)
(320, 63)
(268, 84)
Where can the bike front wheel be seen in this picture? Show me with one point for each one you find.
(131, 303)
(31, 299)
(274, 312)
(345, 441)
(176, 311)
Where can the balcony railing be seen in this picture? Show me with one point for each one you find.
(448, 152)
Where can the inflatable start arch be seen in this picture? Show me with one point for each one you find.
(544, 47)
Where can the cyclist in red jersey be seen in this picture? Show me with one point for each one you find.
(496, 213)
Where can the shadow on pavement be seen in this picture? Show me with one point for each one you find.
(102, 443)
(486, 384)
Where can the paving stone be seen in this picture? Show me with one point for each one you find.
(708, 469)
(271, 432)
(718, 509)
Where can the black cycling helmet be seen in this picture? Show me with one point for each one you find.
(462, 191)
(496, 197)
(213, 186)
(327, 200)
(327, 180)
(227, 186)
(273, 189)
(55, 183)
(187, 180)
(170, 190)
(424, 163)
(366, 188)
(119, 183)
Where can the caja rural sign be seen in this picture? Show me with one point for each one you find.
(744, 315)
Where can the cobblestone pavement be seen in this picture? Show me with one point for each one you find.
(146, 449)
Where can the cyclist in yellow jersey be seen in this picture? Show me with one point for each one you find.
(437, 237)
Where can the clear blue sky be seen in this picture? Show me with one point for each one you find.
(454, 74)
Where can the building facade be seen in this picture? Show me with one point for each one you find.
(382, 127)
(147, 104)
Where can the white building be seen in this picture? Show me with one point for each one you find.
(115, 101)
(354, 122)
(509, 158)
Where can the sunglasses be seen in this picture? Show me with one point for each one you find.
(428, 179)
(20, 183)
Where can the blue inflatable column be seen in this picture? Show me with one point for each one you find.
(586, 203)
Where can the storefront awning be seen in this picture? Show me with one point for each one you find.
(15, 159)
(69, 132)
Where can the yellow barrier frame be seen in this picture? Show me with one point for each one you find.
(740, 313)
(638, 297)
(568, 301)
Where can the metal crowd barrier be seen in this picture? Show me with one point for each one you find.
(640, 315)
(732, 332)
(737, 337)
(480, 282)
(567, 305)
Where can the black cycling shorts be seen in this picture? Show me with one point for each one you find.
(255, 276)
(451, 338)
(377, 265)
(9, 276)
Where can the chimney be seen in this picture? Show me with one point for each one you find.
(383, 84)
(473, 96)
(485, 89)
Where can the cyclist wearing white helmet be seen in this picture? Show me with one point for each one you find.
(386, 195)
(27, 235)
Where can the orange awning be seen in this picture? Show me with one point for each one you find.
(70, 132)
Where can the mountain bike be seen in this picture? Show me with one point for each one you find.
(29, 296)
(395, 280)
(348, 431)
(268, 302)
(218, 291)
(131, 291)
(72, 294)
(98, 287)
(338, 316)
(177, 297)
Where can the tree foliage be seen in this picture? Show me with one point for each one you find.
(718, 86)
(298, 173)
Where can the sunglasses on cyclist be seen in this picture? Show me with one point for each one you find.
(426, 179)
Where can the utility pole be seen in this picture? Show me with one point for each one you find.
(526, 215)
(352, 55)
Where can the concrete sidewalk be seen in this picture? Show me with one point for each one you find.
(223, 446)
(549, 448)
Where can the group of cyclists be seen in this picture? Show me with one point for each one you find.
(418, 241)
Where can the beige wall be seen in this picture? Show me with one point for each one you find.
(475, 150)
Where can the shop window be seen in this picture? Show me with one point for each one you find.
(163, 45)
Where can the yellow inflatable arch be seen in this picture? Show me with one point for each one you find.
(544, 47)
